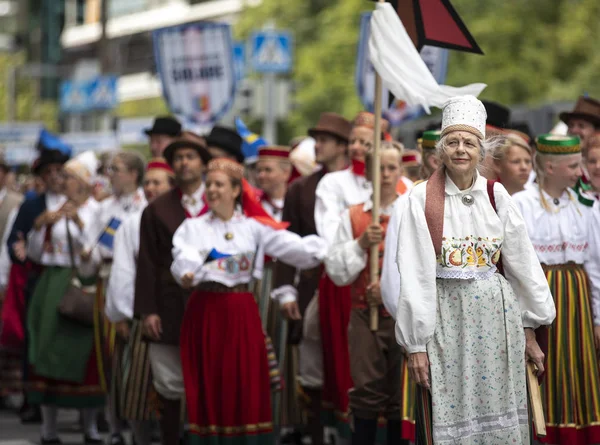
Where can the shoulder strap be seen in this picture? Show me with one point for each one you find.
(70, 242)
(435, 196)
(492, 196)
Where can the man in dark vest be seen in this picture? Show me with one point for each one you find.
(159, 300)
(298, 302)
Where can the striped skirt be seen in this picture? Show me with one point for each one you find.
(571, 390)
(132, 390)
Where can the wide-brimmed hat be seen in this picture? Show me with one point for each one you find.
(586, 108)
(187, 142)
(333, 124)
(164, 125)
(226, 139)
(48, 157)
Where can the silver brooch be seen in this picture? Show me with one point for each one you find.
(468, 200)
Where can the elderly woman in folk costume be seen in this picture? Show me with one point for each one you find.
(467, 329)
(132, 367)
(61, 349)
(558, 226)
(226, 375)
(375, 357)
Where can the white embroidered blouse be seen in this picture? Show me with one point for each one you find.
(121, 281)
(196, 238)
(56, 251)
(560, 235)
(336, 192)
(473, 238)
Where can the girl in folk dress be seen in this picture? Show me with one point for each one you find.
(223, 355)
(467, 329)
(558, 227)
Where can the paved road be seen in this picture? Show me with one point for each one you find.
(12, 432)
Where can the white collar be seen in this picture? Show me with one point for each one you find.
(198, 194)
(3, 193)
(479, 184)
(565, 199)
(368, 206)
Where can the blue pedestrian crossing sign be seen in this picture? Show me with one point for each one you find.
(271, 51)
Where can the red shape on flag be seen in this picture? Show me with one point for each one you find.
(435, 23)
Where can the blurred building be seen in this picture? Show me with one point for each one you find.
(129, 28)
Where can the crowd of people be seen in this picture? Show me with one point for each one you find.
(233, 301)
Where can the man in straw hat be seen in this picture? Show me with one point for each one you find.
(298, 302)
(159, 301)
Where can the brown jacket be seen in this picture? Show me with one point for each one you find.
(299, 211)
(156, 292)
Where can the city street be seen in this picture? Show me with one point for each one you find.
(12, 432)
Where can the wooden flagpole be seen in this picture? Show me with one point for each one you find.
(376, 181)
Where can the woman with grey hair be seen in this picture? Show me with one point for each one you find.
(467, 329)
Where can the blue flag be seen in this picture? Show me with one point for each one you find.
(252, 141)
(108, 236)
(216, 255)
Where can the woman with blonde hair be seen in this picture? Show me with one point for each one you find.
(61, 348)
(468, 330)
(223, 353)
(558, 226)
(512, 163)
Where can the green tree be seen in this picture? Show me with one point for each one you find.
(28, 104)
(536, 51)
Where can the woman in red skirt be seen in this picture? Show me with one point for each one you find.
(223, 353)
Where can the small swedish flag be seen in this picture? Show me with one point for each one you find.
(108, 236)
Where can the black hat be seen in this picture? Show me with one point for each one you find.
(186, 143)
(164, 125)
(48, 157)
(226, 139)
(497, 115)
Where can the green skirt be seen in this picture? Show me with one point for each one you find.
(59, 348)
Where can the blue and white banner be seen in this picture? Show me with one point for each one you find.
(99, 93)
(436, 60)
(196, 68)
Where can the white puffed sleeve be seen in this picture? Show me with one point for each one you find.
(187, 257)
(285, 294)
(328, 207)
(345, 259)
(302, 252)
(5, 262)
(415, 317)
(521, 265)
(35, 244)
(592, 264)
(121, 282)
(390, 277)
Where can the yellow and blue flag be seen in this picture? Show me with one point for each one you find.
(108, 236)
(252, 141)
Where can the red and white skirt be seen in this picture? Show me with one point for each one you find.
(225, 370)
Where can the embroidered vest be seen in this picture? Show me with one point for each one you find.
(360, 221)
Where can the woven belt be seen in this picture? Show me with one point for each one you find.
(213, 286)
